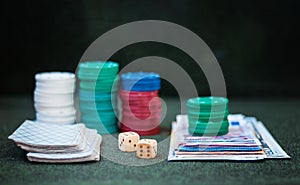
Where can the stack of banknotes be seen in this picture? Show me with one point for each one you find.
(247, 139)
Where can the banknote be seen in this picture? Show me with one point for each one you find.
(248, 139)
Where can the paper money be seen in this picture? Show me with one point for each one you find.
(247, 139)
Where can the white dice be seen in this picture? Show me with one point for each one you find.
(146, 148)
(128, 141)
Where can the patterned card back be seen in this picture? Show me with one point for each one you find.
(93, 140)
(48, 135)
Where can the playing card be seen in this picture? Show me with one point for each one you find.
(90, 153)
(43, 135)
(53, 143)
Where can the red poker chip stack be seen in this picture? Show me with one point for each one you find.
(141, 111)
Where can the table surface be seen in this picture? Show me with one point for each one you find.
(280, 116)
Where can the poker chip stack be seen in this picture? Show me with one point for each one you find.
(53, 97)
(208, 116)
(97, 95)
(141, 105)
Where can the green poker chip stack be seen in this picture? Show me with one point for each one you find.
(98, 84)
(207, 116)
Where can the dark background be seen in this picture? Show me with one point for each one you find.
(255, 42)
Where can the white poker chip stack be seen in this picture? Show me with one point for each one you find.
(53, 97)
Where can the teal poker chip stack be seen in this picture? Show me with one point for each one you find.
(208, 116)
(98, 85)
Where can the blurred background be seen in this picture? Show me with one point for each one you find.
(255, 42)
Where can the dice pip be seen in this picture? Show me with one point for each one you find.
(128, 141)
(146, 148)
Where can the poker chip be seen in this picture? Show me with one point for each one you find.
(87, 95)
(207, 110)
(54, 90)
(59, 112)
(208, 115)
(154, 131)
(98, 106)
(98, 84)
(144, 76)
(145, 125)
(141, 110)
(207, 133)
(45, 97)
(207, 101)
(103, 130)
(90, 66)
(209, 125)
(142, 116)
(140, 81)
(53, 97)
(99, 114)
(103, 126)
(141, 105)
(56, 119)
(98, 70)
(55, 77)
(138, 93)
(101, 121)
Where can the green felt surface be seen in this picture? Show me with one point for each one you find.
(281, 117)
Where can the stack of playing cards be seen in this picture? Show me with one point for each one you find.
(54, 143)
(53, 97)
